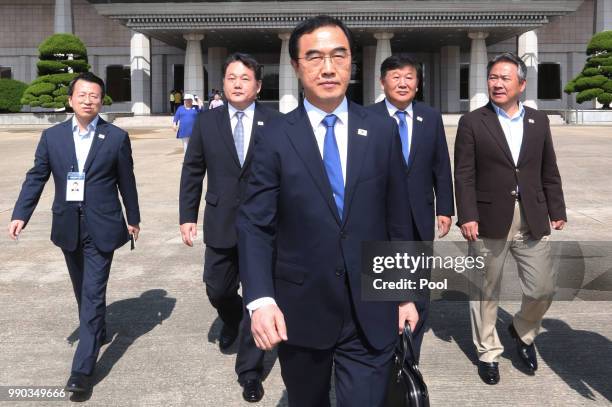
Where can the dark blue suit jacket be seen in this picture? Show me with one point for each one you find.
(211, 150)
(289, 206)
(108, 169)
(429, 169)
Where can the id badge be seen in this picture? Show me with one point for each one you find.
(75, 187)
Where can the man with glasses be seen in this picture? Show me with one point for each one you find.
(88, 223)
(326, 177)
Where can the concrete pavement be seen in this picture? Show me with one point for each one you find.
(164, 350)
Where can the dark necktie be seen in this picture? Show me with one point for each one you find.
(403, 131)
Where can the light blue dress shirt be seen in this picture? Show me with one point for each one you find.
(83, 140)
(513, 128)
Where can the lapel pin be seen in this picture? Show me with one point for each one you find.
(101, 136)
(362, 132)
(419, 118)
(259, 123)
(531, 121)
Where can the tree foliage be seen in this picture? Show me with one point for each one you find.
(595, 80)
(10, 95)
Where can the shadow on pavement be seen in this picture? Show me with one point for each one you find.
(126, 321)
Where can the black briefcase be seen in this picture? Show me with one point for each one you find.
(406, 387)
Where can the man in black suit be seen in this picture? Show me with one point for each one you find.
(326, 177)
(426, 155)
(88, 223)
(220, 146)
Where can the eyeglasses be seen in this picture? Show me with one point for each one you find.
(338, 58)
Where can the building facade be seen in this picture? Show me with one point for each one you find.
(145, 49)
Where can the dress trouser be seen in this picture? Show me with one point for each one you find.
(361, 372)
(537, 279)
(89, 270)
(222, 280)
(422, 304)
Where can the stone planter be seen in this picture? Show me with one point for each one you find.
(587, 116)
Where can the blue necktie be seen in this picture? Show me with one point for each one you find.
(403, 131)
(331, 159)
(239, 137)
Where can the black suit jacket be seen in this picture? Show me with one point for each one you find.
(294, 247)
(429, 169)
(108, 169)
(211, 150)
(486, 177)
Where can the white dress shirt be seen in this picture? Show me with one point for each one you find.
(513, 128)
(247, 123)
(316, 116)
(82, 141)
(409, 118)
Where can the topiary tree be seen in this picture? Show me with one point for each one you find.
(11, 92)
(595, 80)
(62, 58)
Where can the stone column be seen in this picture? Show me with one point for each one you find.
(371, 74)
(288, 91)
(383, 51)
(194, 68)
(603, 19)
(449, 74)
(140, 66)
(478, 70)
(216, 58)
(528, 52)
(63, 17)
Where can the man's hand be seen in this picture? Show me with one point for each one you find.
(469, 230)
(134, 230)
(407, 312)
(188, 232)
(444, 224)
(557, 224)
(268, 326)
(14, 228)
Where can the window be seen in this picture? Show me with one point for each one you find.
(549, 81)
(464, 81)
(269, 82)
(118, 83)
(5, 72)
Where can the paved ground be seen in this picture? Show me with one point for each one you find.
(164, 350)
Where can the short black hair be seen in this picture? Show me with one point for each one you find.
(309, 25)
(398, 62)
(87, 77)
(521, 68)
(247, 60)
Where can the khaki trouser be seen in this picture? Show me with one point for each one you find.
(537, 279)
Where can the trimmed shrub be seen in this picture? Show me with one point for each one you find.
(62, 58)
(595, 80)
(107, 100)
(11, 92)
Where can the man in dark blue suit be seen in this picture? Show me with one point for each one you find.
(325, 178)
(220, 147)
(426, 155)
(90, 161)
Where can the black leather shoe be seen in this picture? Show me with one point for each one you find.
(252, 391)
(526, 352)
(488, 372)
(227, 337)
(78, 383)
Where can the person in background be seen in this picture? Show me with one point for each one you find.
(172, 105)
(184, 118)
(216, 101)
(178, 99)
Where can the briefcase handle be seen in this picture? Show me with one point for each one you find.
(407, 345)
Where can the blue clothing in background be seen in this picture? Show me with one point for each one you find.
(185, 118)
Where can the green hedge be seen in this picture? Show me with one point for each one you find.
(107, 100)
(62, 90)
(78, 65)
(50, 67)
(63, 99)
(600, 42)
(11, 92)
(40, 88)
(45, 99)
(588, 94)
(56, 79)
(590, 71)
(62, 44)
